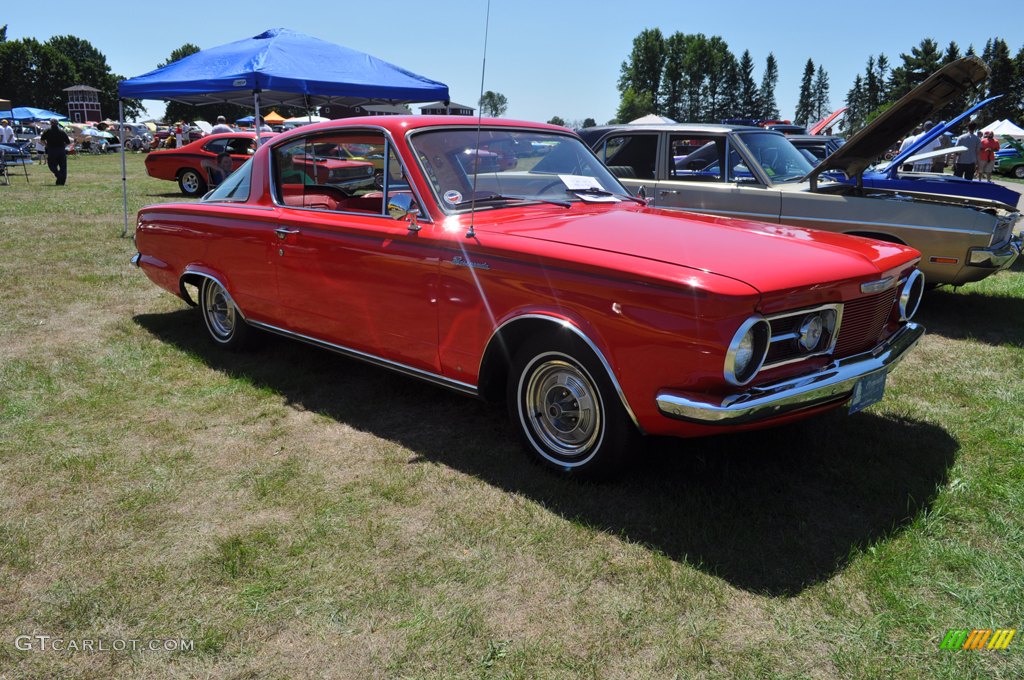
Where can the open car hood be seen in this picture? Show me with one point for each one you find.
(921, 103)
(930, 135)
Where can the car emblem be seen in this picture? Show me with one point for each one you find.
(460, 261)
(876, 286)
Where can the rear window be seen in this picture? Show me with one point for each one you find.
(235, 187)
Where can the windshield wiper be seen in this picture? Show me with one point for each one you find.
(495, 198)
(604, 192)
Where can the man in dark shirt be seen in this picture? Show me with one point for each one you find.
(56, 141)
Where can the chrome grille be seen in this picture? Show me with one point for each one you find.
(1003, 229)
(863, 320)
(785, 348)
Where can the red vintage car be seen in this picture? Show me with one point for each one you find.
(595, 317)
(189, 165)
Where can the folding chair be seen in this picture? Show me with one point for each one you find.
(9, 160)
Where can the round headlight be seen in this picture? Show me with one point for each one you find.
(747, 350)
(910, 295)
(810, 332)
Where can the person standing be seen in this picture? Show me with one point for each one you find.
(908, 142)
(989, 146)
(179, 133)
(56, 141)
(6, 133)
(221, 126)
(967, 161)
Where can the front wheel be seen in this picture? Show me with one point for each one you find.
(1018, 172)
(191, 183)
(566, 408)
(223, 321)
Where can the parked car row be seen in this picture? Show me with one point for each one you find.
(506, 261)
(752, 173)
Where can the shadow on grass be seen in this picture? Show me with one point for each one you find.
(992, 319)
(774, 511)
(171, 194)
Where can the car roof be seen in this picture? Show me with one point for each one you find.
(399, 125)
(672, 127)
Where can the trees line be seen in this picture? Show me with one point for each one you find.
(697, 78)
(35, 73)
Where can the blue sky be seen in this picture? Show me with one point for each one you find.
(559, 57)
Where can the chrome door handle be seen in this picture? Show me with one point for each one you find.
(668, 192)
(282, 232)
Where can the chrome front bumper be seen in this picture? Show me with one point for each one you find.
(832, 383)
(997, 257)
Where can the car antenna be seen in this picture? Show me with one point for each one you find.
(479, 115)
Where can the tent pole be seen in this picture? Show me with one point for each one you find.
(256, 119)
(124, 174)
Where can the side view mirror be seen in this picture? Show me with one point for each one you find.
(400, 206)
(642, 192)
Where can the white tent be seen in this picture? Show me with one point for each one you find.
(1004, 127)
(651, 119)
(303, 120)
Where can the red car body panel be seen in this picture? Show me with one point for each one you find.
(659, 294)
(168, 163)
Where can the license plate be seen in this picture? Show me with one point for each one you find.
(867, 391)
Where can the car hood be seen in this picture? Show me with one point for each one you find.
(768, 257)
(929, 136)
(921, 103)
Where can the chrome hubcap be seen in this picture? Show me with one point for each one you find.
(190, 182)
(220, 313)
(564, 409)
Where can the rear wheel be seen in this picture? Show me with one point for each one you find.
(223, 321)
(1018, 172)
(191, 183)
(566, 408)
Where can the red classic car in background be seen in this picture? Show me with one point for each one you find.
(189, 165)
(595, 317)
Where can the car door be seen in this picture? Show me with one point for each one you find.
(632, 157)
(348, 273)
(711, 173)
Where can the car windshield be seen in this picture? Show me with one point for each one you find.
(781, 161)
(509, 166)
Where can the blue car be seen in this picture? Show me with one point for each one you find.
(890, 177)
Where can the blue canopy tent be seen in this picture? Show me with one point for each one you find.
(31, 113)
(279, 66)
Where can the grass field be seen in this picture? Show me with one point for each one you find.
(295, 514)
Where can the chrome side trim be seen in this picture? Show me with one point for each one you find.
(456, 385)
(833, 383)
(786, 219)
(582, 336)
